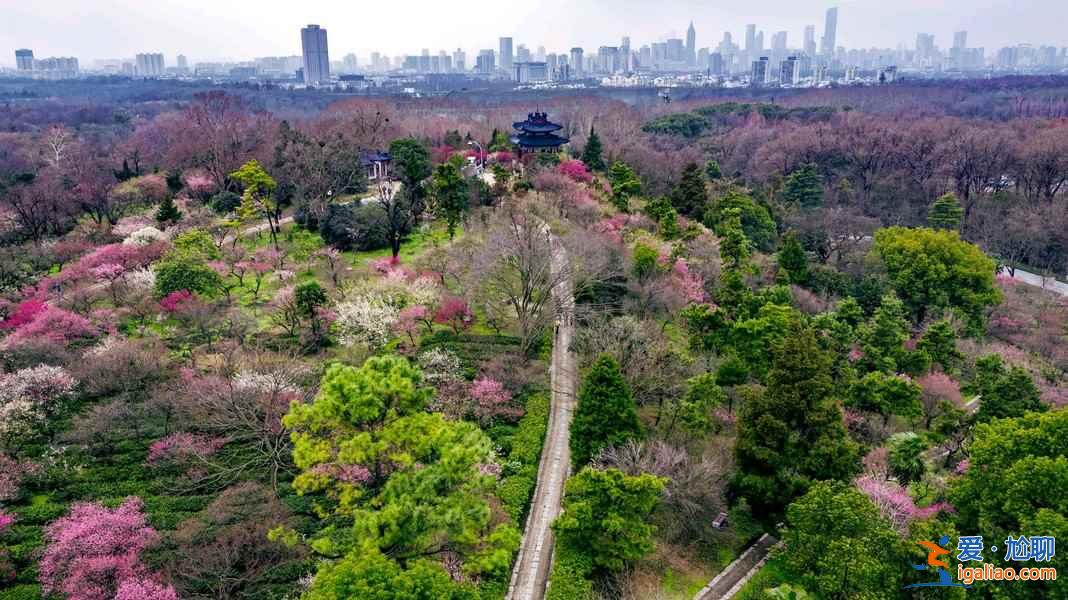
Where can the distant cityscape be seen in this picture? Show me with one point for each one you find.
(749, 61)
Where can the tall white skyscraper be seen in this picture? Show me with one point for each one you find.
(810, 40)
(830, 32)
(504, 56)
(691, 45)
(24, 59)
(316, 56)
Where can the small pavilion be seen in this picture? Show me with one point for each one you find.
(538, 134)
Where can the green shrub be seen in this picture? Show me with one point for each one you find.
(225, 202)
(569, 579)
(181, 272)
(22, 592)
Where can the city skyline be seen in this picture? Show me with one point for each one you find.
(860, 24)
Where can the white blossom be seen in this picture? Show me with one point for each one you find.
(145, 236)
(367, 319)
(440, 365)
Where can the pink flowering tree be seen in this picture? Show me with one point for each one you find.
(939, 393)
(90, 552)
(137, 588)
(12, 472)
(55, 325)
(576, 170)
(183, 448)
(895, 504)
(198, 184)
(23, 313)
(492, 401)
(690, 286)
(410, 318)
(455, 313)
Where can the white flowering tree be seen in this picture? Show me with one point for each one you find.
(30, 397)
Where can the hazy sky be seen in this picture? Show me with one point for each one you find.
(241, 29)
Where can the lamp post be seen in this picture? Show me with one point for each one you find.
(481, 155)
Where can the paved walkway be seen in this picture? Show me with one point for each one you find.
(1046, 283)
(534, 562)
(730, 580)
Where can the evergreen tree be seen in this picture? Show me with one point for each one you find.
(167, 212)
(450, 195)
(792, 259)
(591, 154)
(803, 187)
(606, 414)
(689, 196)
(625, 184)
(792, 435)
(906, 457)
(606, 516)
(1004, 392)
(712, 170)
(940, 343)
(945, 213)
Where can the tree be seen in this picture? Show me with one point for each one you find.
(689, 196)
(1004, 392)
(605, 516)
(93, 550)
(404, 481)
(1014, 484)
(450, 195)
(411, 165)
(376, 577)
(756, 221)
(792, 435)
(455, 313)
(932, 270)
(803, 187)
(839, 546)
(792, 259)
(939, 341)
(179, 271)
(712, 170)
(257, 199)
(605, 415)
(906, 457)
(945, 213)
(883, 337)
(31, 400)
(693, 410)
(886, 395)
(167, 212)
(625, 184)
(591, 153)
(362, 228)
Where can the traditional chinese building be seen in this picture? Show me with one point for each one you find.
(538, 134)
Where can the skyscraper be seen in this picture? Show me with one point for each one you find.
(750, 39)
(24, 59)
(830, 32)
(810, 40)
(960, 39)
(459, 61)
(504, 56)
(316, 56)
(691, 45)
(149, 64)
(183, 62)
(577, 64)
(484, 62)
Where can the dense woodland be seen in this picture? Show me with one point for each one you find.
(234, 367)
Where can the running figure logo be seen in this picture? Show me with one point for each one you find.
(934, 551)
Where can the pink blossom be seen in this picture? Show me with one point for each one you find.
(962, 467)
(409, 319)
(855, 354)
(26, 311)
(613, 227)
(492, 400)
(199, 183)
(503, 157)
(183, 446)
(877, 463)
(895, 504)
(455, 313)
(385, 264)
(145, 589)
(6, 519)
(576, 170)
(175, 300)
(350, 474)
(939, 386)
(491, 469)
(724, 416)
(12, 472)
(57, 325)
(108, 271)
(92, 549)
(691, 286)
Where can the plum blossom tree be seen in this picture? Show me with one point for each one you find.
(492, 401)
(93, 550)
(145, 589)
(455, 313)
(29, 397)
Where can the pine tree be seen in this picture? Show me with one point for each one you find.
(792, 259)
(591, 154)
(945, 213)
(605, 415)
(803, 187)
(167, 212)
(690, 197)
(712, 170)
(792, 435)
(625, 184)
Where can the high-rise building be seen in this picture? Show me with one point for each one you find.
(760, 75)
(925, 48)
(316, 55)
(485, 63)
(691, 45)
(149, 64)
(577, 64)
(183, 62)
(505, 54)
(459, 61)
(790, 71)
(715, 64)
(830, 32)
(960, 39)
(24, 59)
(810, 40)
(350, 63)
(522, 53)
(750, 39)
(778, 41)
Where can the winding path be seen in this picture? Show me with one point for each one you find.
(534, 562)
(730, 580)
